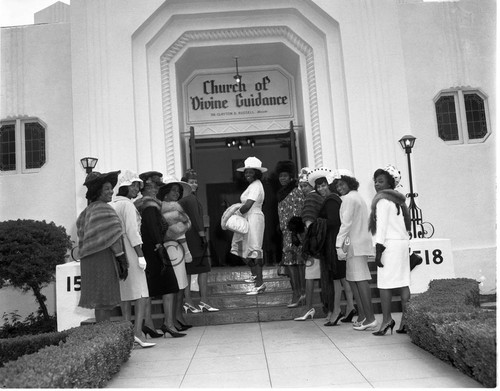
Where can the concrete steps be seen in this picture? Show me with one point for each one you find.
(227, 291)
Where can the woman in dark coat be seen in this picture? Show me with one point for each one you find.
(159, 271)
(333, 271)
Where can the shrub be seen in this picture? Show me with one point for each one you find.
(88, 359)
(29, 253)
(13, 348)
(33, 324)
(447, 321)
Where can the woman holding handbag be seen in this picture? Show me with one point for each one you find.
(354, 244)
(198, 246)
(248, 246)
(100, 246)
(389, 224)
(290, 203)
(135, 287)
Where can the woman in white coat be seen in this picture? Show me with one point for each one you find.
(389, 224)
(354, 243)
(135, 287)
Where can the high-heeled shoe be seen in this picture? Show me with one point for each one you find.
(330, 323)
(204, 306)
(152, 333)
(308, 314)
(295, 304)
(384, 329)
(257, 289)
(182, 328)
(189, 307)
(186, 326)
(173, 333)
(143, 344)
(402, 330)
(348, 318)
(369, 327)
(358, 323)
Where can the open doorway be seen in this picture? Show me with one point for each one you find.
(220, 186)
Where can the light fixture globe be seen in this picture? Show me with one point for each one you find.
(88, 163)
(407, 142)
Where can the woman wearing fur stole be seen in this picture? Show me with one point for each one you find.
(389, 224)
(178, 224)
(290, 203)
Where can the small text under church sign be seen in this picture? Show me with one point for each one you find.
(218, 98)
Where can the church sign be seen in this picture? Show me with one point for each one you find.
(218, 98)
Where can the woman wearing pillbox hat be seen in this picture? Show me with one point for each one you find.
(389, 224)
(100, 245)
(135, 287)
(249, 246)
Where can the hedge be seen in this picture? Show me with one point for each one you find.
(13, 348)
(88, 359)
(447, 321)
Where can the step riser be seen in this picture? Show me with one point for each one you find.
(227, 291)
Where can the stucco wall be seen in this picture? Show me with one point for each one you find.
(36, 82)
(447, 45)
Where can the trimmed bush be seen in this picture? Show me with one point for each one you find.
(13, 348)
(88, 359)
(447, 321)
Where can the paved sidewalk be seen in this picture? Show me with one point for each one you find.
(286, 354)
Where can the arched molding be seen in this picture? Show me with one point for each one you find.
(227, 35)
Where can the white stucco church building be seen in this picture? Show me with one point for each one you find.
(149, 85)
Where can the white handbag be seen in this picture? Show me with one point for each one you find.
(237, 224)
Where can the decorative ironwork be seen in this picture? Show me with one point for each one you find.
(419, 228)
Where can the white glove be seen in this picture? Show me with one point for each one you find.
(341, 255)
(142, 263)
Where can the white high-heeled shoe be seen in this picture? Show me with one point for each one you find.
(188, 307)
(143, 344)
(369, 327)
(308, 314)
(207, 307)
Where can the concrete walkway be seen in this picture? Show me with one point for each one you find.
(286, 354)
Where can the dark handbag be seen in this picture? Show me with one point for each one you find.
(282, 270)
(121, 263)
(415, 260)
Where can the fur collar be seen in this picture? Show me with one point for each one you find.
(393, 196)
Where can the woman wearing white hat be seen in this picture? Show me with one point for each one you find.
(389, 224)
(333, 271)
(249, 246)
(135, 287)
(354, 244)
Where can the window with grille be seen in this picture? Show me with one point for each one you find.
(22, 145)
(462, 116)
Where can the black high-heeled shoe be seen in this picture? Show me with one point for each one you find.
(152, 333)
(173, 333)
(182, 328)
(187, 326)
(348, 318)
(402, 330)
(383, 330)
(330, 323)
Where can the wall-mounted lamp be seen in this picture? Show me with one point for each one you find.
(237, 77)
(88, 163)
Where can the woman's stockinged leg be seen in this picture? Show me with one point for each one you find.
(258, 272)
(357, 299)
(178, 310)
(405, 296)
(126, 307)
(302, 279)
(102, 314)
(139, 310)
(349, 297)
(385, 301)
(365, 295)
(309, 293)
(168, 310)
(203, 284)
(294, 281)
(337, 287)
(148, 319)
